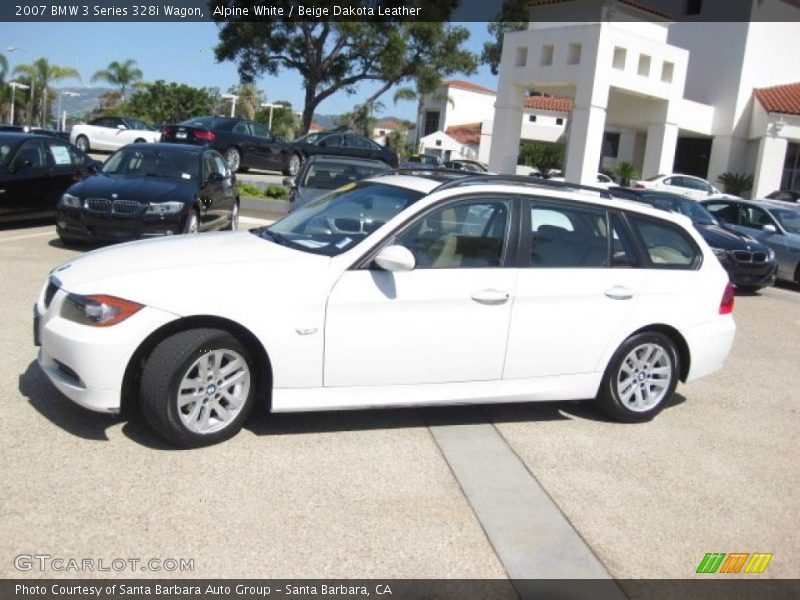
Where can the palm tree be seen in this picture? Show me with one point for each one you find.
(249, 99)
(121, 75)
(40, 75)
(3, 68)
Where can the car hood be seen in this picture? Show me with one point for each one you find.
(141, 188)
(164, 272)
(727, 239)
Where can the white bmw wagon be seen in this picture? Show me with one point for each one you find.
(404, 289)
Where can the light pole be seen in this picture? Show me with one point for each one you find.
(271, 106)
(14, 85)
(63, 119)
(233, 98)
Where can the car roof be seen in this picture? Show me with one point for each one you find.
(190, 148)
(435, 182)
(345, 159)
(19, 135)
(765, 203)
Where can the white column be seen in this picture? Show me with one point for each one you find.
(659, 151)
(769, 166)
(506, 130)
(584, 144)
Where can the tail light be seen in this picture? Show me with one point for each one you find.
(638, 186)
(208, 136)
(167, 131)
(726, 305)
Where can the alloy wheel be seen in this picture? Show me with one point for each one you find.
(644, 377)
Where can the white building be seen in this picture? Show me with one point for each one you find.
(383, 128)
(664, 95)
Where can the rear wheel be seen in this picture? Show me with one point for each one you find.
(139, 141)
(198, 387)
(82, 142)
(234, 158)
(293, 166)
(641, 378)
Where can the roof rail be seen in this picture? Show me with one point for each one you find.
(430, 172)
(521, 179)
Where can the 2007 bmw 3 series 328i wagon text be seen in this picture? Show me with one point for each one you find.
(402, 289)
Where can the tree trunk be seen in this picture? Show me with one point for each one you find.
(309, 106)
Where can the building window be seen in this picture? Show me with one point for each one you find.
(791, 168)
(574, 54)
(694, 7)
(667, 70)
(438, 142)
(620, 54)
(381, 132)
(610, 144)
(559, 121)
(644, 65)
(532, 118)
(431, 122)
(521, 57)
(547, 54)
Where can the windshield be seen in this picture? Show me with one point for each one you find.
(329, 175)
(153, 162)
(340, 219)
(789, 219)
(689, 208)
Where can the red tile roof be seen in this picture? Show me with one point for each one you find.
(316, 127)
(466, 85)
(469, 133)
(631, 3)
(388, 124)
(554, 103)
(780, 98)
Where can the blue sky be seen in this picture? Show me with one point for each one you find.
(181, 52)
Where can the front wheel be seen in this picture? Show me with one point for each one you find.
(82, 142)
(641, 378)
(293, 166)
(192, 224)
(197, 387)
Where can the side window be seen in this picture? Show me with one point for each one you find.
(334, 141)
(260, 131)
(667, 245)
(31, 154)
(221, 165)
(755, 217)
(242, 128)
(354, 141)
(564, 237)
(60, 155)
(724, 211)
(671, 181)
(465, 235)
(209, 166)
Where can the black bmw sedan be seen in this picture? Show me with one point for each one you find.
(34, 172)
(341, 142)
(150, 190)
(244, 144)
(750, 264)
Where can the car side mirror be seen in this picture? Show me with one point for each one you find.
(395, 258)
(769, 228)
(289, 182)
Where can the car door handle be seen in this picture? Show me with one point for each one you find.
(619, 292)
(490, 297)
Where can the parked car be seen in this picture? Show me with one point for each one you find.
(463, 164)
(427, 160)
(341, 142)
(397, 290)
(321, 173)
(151, 190)
(750, 264)
(35, 130)
(785, 196)
(34, 172)
(677, 183)
(112, 133)
(603, 181)
(775, 223)
(244, 144)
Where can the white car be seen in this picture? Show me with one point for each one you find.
(397, 290)
(603, 181)
(112, 133)
(685, 185)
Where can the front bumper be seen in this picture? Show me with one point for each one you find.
(754, 274)
(81, 225)
(87, 364)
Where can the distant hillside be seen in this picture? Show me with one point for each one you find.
(80, 105)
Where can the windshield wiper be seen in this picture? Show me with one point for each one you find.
(276, 237)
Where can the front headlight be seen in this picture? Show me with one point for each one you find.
(164, 208)
(771, 253)
(720, 253)
(70, 201)
(98, 310)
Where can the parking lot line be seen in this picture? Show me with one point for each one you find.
(24, 237)
(529, 533)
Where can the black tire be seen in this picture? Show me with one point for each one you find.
(82, 142)
(162, 374)
(748, 289)
(71, 241)
(192, 222)
(234, 223)
(293, 166)
(609, 397)
(139, 141)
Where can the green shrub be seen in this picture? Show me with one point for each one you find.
(737, 184)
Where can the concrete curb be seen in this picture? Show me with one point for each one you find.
(261, 205)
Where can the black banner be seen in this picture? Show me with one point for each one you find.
(716, 587)
(393, 10)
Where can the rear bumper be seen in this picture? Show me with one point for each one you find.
(709, 346)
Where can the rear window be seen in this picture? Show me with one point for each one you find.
(667, 245)
(205, 122)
